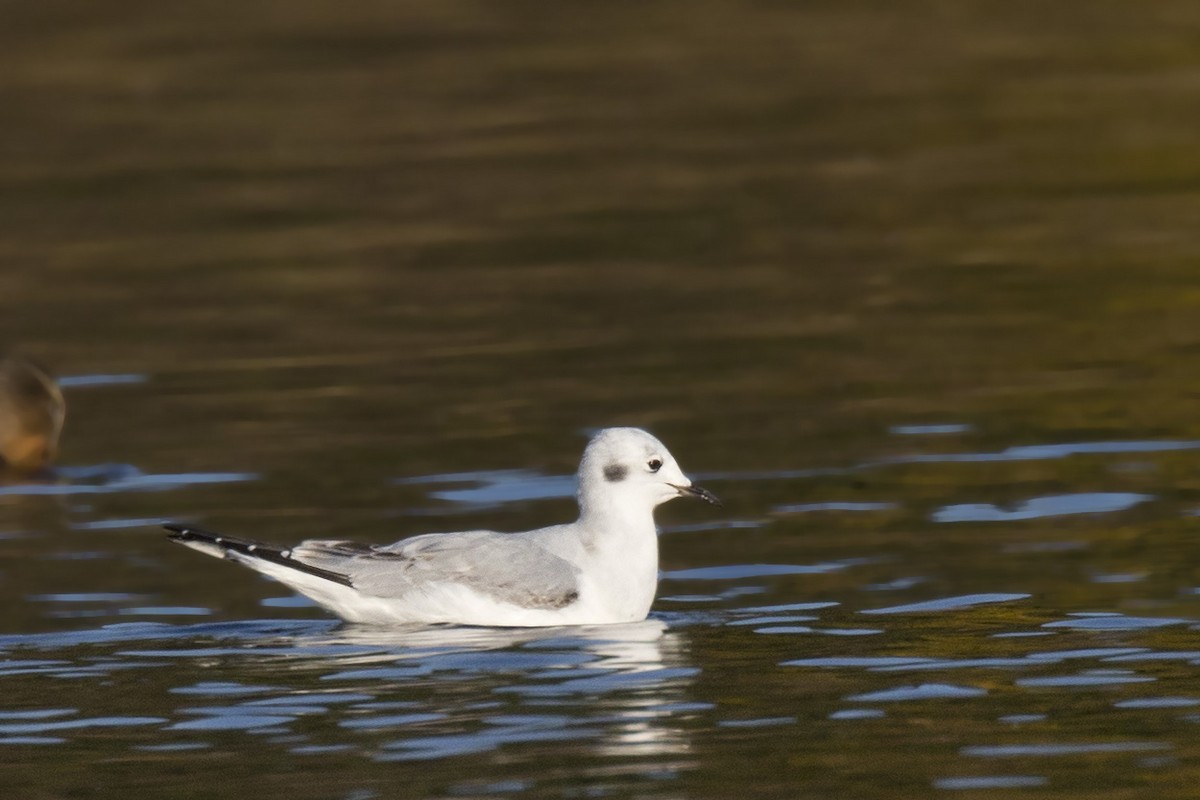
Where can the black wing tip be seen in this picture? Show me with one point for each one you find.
(190, 533)
(253, 549)
(176, 531)
(179, 532)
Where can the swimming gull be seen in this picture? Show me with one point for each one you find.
(602, 568)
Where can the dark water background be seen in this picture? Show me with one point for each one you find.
(913, 286)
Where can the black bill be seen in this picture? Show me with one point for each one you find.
(698, 491)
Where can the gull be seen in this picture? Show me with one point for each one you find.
(32, 412)
(600, 569)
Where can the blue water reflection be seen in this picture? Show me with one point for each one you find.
(118, 478)
(642, 697)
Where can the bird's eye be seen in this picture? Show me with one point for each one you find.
(655, 464)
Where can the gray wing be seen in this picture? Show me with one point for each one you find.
(507, 568)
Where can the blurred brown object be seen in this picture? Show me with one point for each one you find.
(32, 411)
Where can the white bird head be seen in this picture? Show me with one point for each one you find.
(627, 466)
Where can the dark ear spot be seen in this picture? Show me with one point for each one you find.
(615, 472)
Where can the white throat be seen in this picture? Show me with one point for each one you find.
(621, 541)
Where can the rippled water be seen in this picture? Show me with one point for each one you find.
(912, 289)
(863, 666)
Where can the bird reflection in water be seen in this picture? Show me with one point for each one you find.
(619, 688)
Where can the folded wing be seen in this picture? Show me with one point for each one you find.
(503, 567)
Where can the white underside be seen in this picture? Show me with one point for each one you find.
(439, 601)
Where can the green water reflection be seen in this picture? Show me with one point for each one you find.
(346, 245)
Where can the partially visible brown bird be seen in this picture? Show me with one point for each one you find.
(32, 411)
